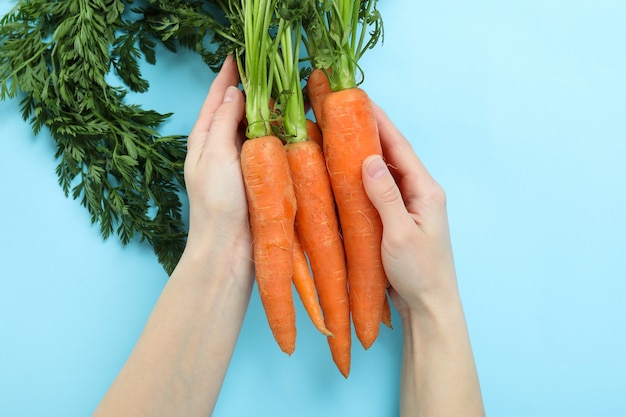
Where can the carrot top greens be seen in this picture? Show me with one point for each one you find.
(289, 96)
(338, 33)
(58, 57)
(72, 63)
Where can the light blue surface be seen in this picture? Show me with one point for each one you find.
(517, 108)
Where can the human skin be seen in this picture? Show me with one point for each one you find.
(438, 376)
(180, 360)
(193, 329)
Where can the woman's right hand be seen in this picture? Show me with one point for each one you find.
(416, 248)
(217, 199)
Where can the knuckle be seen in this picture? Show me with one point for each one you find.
(436, 195)
(400, 238)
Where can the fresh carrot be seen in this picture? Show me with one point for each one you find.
(316, 219)
(265, 170)
(317, 88)
(303, 281)
(350, 135)
(314, 133)
(272, 208)
(386, 318)
(318, 228)
(336, 38)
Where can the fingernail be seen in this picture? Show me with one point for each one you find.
(375, 167)
(230, 94)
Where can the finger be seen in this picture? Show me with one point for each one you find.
(385, 195)
(224, 133)
(395, 146)
(392, 139)
(410, 173)
(395, 143)
(228, 76)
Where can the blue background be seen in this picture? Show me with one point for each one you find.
(517, 107)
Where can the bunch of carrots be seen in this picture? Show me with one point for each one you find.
(312, 223)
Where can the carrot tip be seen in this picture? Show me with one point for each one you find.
(326, 332)
(367, 343)
(287, 346)
(288, 351)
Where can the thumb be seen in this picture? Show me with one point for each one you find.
(383, 192)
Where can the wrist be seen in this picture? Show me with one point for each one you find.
(212, 255)
(427, 297)
(438, 371)
(436, 314)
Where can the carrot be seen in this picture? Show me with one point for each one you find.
(336, 39)
(318, 228)
(350, 135)
(265, 170)
(316, 219)
(305, 287)
(386, 318)
(314, 132)
(272, 208)
(317, 89)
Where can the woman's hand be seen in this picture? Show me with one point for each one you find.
(212, 170)
(187, 343)
(438, 375)
(416, 249)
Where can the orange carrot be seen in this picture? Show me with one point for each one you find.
(272, 208)
(305, 287)
(350, 135)
(318, 228)
(386, 317)
(314, 132)
(317, 89)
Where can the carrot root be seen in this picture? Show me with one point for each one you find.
(350, 133)
(314, 133)
(318, 88)
(303, 281)
(272, 206)
(386, 316)
(318, 229)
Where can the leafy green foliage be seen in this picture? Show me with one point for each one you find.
(57, 56)
(338, 33)
(200, 26)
